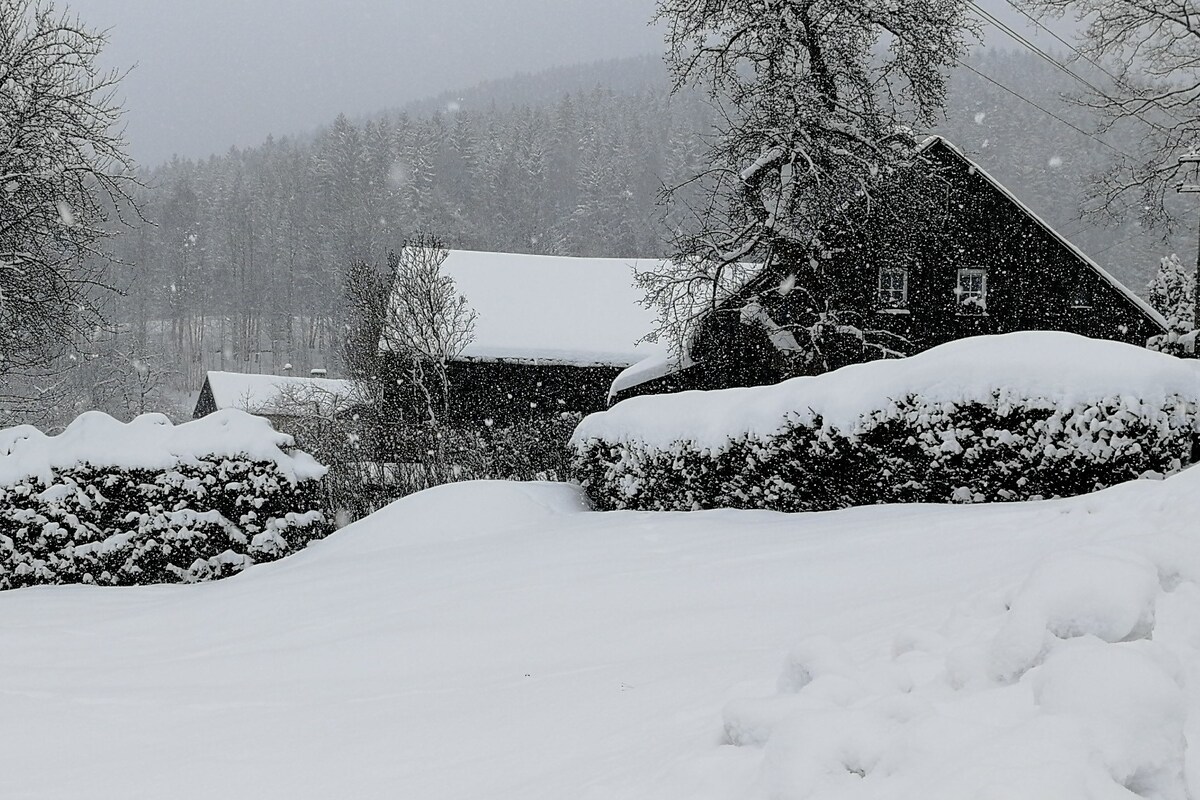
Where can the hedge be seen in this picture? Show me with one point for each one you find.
(155, 509)
(961, 445)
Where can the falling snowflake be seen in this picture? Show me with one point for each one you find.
(65, 215)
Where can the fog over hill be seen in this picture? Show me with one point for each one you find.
(227, 72)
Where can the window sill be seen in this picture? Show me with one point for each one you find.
(970, 314)
(892, 311)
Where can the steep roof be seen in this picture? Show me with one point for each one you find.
(275, 394)
(552, 309)
(1137, 302)
(656, 365)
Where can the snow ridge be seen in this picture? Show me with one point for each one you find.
(149, 442)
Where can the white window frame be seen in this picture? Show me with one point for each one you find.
(971, 303)
(889, 297)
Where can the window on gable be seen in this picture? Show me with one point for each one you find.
(893, 287)
(971, 291)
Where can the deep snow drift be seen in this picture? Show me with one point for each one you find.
(494, 640)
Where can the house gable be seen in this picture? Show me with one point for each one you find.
(967, 259)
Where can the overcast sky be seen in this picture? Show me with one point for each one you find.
(209, 74)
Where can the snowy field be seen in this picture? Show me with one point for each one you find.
(497, 640)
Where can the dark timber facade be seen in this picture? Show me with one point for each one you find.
(967, 258)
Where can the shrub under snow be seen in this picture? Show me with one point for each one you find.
(149, 502)
(1012, 417)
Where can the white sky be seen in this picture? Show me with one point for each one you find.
(214, 73)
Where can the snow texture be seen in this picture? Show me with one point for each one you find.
(1061, 367)
(149, 442)
(553, 309)
(497, 640)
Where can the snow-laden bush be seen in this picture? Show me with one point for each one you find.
(1013, 417)
(148, 502)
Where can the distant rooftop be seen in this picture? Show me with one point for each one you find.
(270, 394)
(553, 309)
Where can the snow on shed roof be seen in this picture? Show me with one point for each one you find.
(1129, 294)
(266, 393)
(552, 309)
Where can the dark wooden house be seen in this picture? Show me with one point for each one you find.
(953, 255)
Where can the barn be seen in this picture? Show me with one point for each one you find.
(965, 258)
(551, 333)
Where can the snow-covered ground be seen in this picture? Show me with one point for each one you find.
(494, 640)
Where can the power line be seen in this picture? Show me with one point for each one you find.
(1118, 80)
(987, 17)
(1044, 110)
(1062, 41)
(1130, 237)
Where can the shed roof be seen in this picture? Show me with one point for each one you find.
(275, 394)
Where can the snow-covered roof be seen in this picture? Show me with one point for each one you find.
(1129, 294)
(552, 309)
(269, 394)
(659, 363)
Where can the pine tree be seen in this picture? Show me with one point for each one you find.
(1172, 293)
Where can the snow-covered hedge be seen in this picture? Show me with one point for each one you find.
(149, 502)
(1019, 416)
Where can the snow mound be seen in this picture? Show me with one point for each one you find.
(461, 511)
(1061, 367)
(1082, 685)
(148, 442)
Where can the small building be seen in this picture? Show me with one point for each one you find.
(551, 333)
(966, 258)
(277, 397)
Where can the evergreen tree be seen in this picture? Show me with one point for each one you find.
(1172, 293)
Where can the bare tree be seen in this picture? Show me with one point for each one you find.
(817, 98)
(63, 173)
(1145, 55)
(427, 324)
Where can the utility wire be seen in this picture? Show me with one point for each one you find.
(1047, 112)
(1117, 79)
(989, 18)
(1063, 41)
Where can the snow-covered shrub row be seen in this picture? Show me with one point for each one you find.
(1078, 683)
(1012, 417)
(149, 502)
